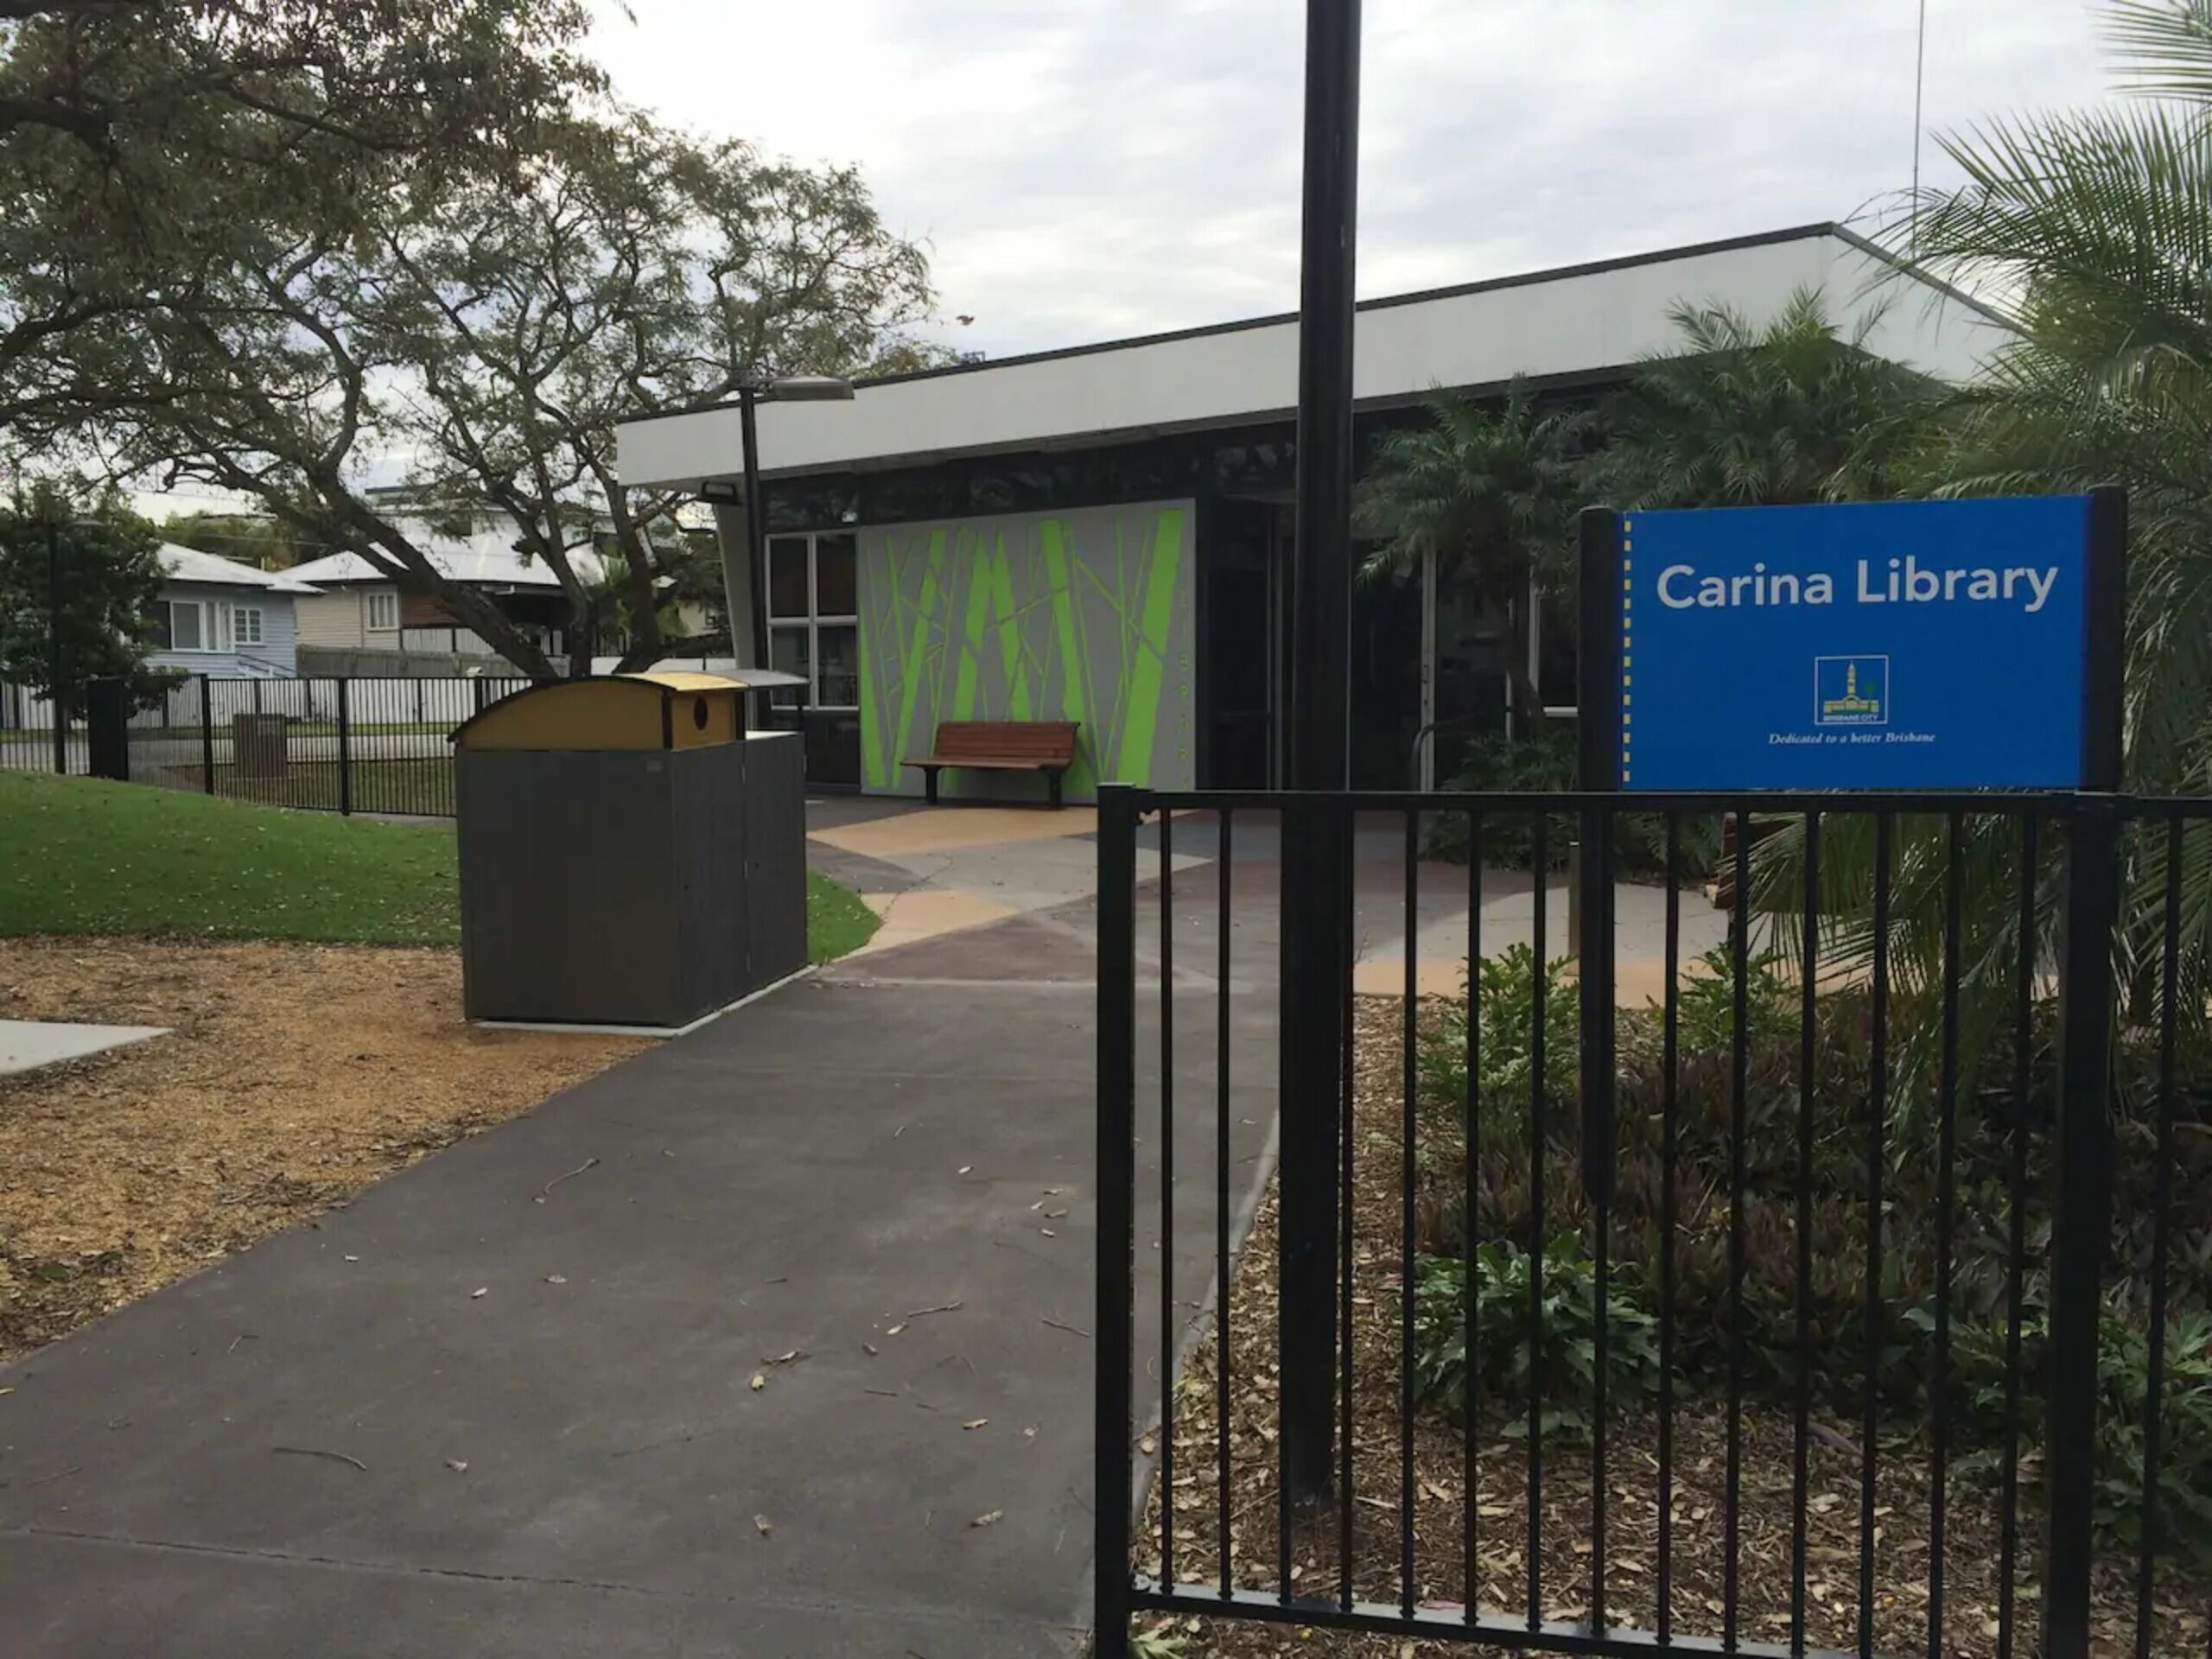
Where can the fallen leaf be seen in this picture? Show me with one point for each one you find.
(896, 1329)
(990, 1518)
(1029, 1433)
(1048, 1232)
(963, 1169)
(556, 1278)
(1147, 1446)
(459, 1465)
(353, 1258)
(479, 1291)
(762, 1524)
(871, 1348)
(975, 1422)
(759, 1382)
(787, 1357)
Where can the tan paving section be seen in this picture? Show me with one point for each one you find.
(924, 914)
(949, 829)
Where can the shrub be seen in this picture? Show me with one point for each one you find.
(1565, 1361)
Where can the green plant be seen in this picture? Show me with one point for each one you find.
(1706, 1007)
(1540, 763)
(1560, 1364)
(1505, 1010)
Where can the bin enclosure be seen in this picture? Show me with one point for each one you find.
(629, 854)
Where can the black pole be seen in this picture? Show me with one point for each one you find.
(344, 748)
(756, 531)
(1114, 1468)
(1316, 843)
(1598, 767)
(54, 643)
(2082, 1203)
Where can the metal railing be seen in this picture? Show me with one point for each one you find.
(349, 745)
(1830, 1300)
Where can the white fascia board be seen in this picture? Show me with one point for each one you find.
(1577, 322)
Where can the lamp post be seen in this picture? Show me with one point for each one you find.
(1317, 844)
(786, 388)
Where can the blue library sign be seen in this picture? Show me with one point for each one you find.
(1904, 645)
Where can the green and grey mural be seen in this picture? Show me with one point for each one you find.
(1085, 615)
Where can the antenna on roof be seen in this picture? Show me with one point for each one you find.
(1919, 73)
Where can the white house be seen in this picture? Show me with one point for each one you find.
(226, 620)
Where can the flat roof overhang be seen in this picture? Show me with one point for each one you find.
(1577, 325)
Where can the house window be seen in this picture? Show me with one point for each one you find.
(246, 624)
(814, 618)
(182, 629)
(384, 611)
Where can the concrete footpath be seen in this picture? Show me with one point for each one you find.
(503, 1403)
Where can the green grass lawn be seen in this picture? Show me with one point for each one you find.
(81, 856)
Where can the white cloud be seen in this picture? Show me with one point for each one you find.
(1089, 169)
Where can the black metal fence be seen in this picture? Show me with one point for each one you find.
(351, 745)
(1811, 1277)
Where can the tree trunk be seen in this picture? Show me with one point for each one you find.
(1519, 674)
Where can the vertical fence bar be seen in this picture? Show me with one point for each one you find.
(1946, 1134)
(1167, 1344)
(1807, 1019)
(2016, 1249)
(1222, 866)
(207, 736)
(1408, 1176)
(1113, 1473)
(1472, 1140)
(1346, 835)
(1739, 1135)
(345, 757)
(1877, 1107)
(1669, 1155)
(2161, 1225)
(1539, 862)
(2081, 1223)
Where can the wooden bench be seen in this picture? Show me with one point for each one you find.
(1046, 745)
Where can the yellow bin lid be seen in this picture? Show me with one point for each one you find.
(668, 711)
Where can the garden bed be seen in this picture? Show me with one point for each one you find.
(1973, 1543)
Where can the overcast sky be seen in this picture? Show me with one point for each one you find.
(1083, 169)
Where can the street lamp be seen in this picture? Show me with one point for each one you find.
(786, 388)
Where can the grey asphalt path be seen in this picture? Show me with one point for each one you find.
(807, 1175)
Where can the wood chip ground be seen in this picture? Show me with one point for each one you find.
(2179, 1624)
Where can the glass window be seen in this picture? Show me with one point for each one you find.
(384, 611)
(836, 585)
(184, 626)
(789, 650)
(245, 625)
(837, 647)
(787, 589)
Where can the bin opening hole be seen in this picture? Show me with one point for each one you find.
(699, 713)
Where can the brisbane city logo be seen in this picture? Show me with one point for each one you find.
(1851, 691)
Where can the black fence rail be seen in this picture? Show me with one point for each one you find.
(335, 744)
(1805, 1275)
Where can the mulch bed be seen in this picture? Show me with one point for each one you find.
(293, 1076)
(1971, 1551)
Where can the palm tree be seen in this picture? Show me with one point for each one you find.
(2092, 230)
(1488, 490)
(2092, 233)
(1745, 414)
